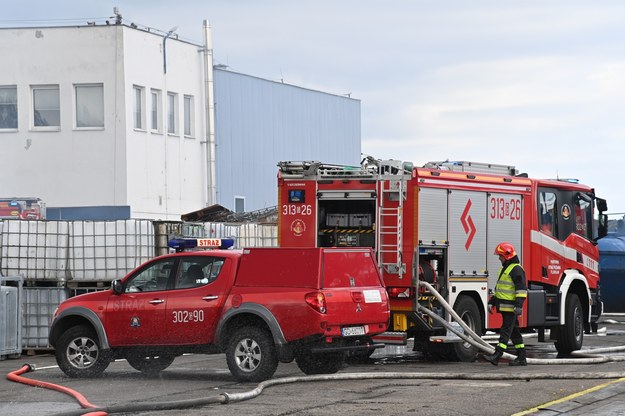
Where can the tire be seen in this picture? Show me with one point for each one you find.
(571, 334)
(150, 365)
(79, 353)
(467, 310)
(328, 363)
(251, 355)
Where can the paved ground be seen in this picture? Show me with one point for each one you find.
(410, 386)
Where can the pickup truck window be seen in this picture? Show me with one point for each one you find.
(198, 271)
(349, 269)
(152, 278)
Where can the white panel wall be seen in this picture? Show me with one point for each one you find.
(66, 167)
(159, 177)
(166, 172)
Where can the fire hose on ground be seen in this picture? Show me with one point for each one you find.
(584, 357)
(227, 398)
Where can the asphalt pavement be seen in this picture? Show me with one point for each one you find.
(395, 381)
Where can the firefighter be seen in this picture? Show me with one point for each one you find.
(510, 293)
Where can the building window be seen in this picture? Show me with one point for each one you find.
(46, 107)
(239, 204)
(155, 120)
(172, 111)
(8, 107)
(138, 113)
(89, 106)
(188, 116)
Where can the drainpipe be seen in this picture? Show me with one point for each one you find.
(211, 197)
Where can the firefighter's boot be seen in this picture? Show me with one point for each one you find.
(495, 357)
(521, 358)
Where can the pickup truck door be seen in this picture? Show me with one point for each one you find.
(137, 316)
(194, 306)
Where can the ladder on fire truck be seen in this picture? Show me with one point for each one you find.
(391, 189)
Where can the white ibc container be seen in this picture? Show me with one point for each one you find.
(107, 250)
(10, 317)
(166, 230)
(223, 230)
(247, 235)
(269, 234)
(38, 306)
(36, 250)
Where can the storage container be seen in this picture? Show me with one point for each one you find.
(337, 220)
(107, 250)
(37, 250)
(612, 272)
(39, 305)
(360, 220)
(10, 317)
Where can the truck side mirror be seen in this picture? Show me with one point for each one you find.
(117, 286)
(603, 225)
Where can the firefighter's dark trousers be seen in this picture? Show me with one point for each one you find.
(510, 330)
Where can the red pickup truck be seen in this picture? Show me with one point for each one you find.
(259, 306)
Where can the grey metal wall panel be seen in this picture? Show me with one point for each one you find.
(432, 215)
(9, 319)
(467, 233)
(505, 213)
(10, 316)
(259, 123)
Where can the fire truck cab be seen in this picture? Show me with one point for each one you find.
(440, 223)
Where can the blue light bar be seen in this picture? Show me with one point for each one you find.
(181, 244)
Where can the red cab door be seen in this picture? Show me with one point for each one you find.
(137, 316)
(194, 305)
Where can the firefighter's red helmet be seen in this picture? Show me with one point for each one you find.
(506, 250)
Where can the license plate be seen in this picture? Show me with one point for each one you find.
(351, 331)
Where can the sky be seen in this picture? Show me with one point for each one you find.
(535, 84)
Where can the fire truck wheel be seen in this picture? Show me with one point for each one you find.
(466, 308)
(571, 334)
(251, 354)
(328, 363)
(78, 353)
(150, 365)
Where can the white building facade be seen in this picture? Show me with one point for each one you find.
(114, 122)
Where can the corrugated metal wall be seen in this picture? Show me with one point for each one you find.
(259, 123)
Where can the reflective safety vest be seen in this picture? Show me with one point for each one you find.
(506, 292)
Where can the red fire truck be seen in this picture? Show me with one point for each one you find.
(441, 223)
(22, 208)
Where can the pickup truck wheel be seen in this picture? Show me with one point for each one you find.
(251, 355)
(328, 363)
(150, 365)
(78, 353)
